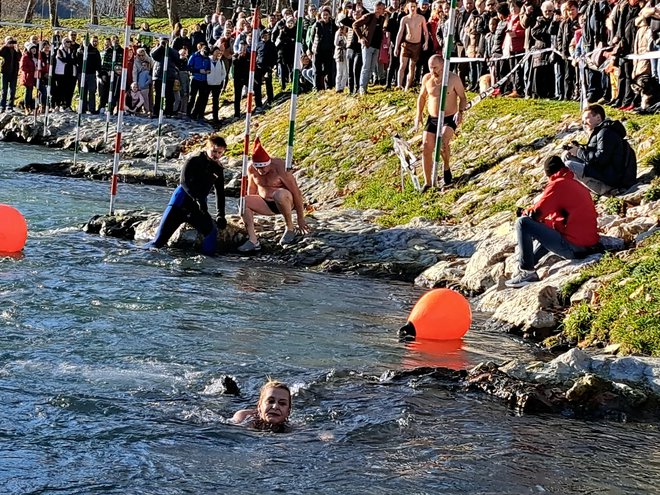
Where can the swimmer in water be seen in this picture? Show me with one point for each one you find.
(272, 411)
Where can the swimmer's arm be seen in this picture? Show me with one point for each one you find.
(291, 184)
(421, 102)
(242, 415)
(462, 101)
(425, 31)
(252, 185)
(399, 38)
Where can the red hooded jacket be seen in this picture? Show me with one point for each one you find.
(567, 207)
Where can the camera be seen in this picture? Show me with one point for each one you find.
(566, 147)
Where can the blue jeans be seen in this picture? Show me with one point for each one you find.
(529, 230)
(369, 62)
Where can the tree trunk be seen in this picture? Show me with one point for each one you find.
(52, 13)
(218, 6)
(93, 12)
(172, 12)
(29, 11)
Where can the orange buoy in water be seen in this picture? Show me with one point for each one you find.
(13, 229)
(441, 314)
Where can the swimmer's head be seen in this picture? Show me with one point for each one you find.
(274, 404)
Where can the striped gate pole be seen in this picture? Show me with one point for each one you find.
(256, 22)
(449, 44)
(295, 85)
(49, 85)
(108, 105)
(161, 112)
(130, 16)
(37, 97)
(81, 96)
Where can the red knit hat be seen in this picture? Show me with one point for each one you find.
(259, 156)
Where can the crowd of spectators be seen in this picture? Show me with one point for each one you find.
(570, 50)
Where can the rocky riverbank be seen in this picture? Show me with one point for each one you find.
(462, 237)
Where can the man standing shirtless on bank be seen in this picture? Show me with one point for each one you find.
(409, 43)
(271, 190)
(455, 105)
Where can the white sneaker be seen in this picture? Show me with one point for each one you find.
(524, 277)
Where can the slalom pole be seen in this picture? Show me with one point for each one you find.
(37, 97)
(161, 112)
(256, 22)
(81, 97)
(49, 88)
(449, 44)
(295, 85)
(130, 15)
(108, 105)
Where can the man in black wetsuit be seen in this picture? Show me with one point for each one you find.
(200, 173)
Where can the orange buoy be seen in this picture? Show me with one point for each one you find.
(441, 314)
(13, 230)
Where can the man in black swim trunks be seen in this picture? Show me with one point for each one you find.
(455, 105)
(271, 190)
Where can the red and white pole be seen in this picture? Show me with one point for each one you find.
(256, 23)
(130, 16)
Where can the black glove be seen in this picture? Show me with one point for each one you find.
(221, 221)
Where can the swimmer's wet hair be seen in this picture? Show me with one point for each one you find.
(270, 383)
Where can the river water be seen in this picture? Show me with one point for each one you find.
(111, 360)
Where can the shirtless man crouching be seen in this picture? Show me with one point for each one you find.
(271, 190)
(455, 105)
(408, 44)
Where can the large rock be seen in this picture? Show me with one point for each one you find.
(491, 251)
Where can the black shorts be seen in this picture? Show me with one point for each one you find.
(272, 205)
(432, 123)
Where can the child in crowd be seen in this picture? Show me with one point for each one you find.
(134, 100)
(144, 85)
(341, 60)
(272, 411)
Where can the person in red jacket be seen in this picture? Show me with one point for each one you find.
(28, 67)
(563, 221)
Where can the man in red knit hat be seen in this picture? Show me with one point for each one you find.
(271, 190)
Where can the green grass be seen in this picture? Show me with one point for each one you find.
(628, 307)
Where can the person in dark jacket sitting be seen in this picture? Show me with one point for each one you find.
(607, 162)
(562, 221)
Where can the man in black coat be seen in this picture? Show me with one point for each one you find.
(266, 60)
(10, 62)
(607, 162)
(92, 69)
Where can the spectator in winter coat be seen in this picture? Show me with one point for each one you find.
(29, 62)
(10, 64)
(370, 31)
(286, 47)
(215, 80)
(562, 221)
(199, 66)
(607, 162)
(92, 68)
(323, 47)
(65, 75)
(158, 55)
(266, 60)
